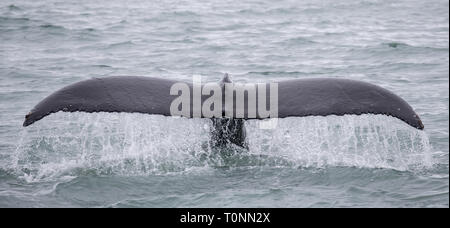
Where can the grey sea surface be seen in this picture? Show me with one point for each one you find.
(137, 160)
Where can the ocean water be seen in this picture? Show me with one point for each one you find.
(137, 160)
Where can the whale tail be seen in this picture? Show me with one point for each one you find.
(298, 98)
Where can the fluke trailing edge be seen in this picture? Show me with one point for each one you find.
(300, 97)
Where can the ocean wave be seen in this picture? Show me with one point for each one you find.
(121, 44)
(13, 19)
(13, 7)
(51, 26)
(402, 45)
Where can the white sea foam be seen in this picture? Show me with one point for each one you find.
(138, 144)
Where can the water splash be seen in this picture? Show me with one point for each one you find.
(110, 143)
(72, 144)
(370, 141)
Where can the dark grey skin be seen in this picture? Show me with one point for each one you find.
(228, 131)
(296, 98)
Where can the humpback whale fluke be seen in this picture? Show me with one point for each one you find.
(299, 97)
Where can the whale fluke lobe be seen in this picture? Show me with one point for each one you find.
(332, 96)
(300, 97)
(111, 94)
